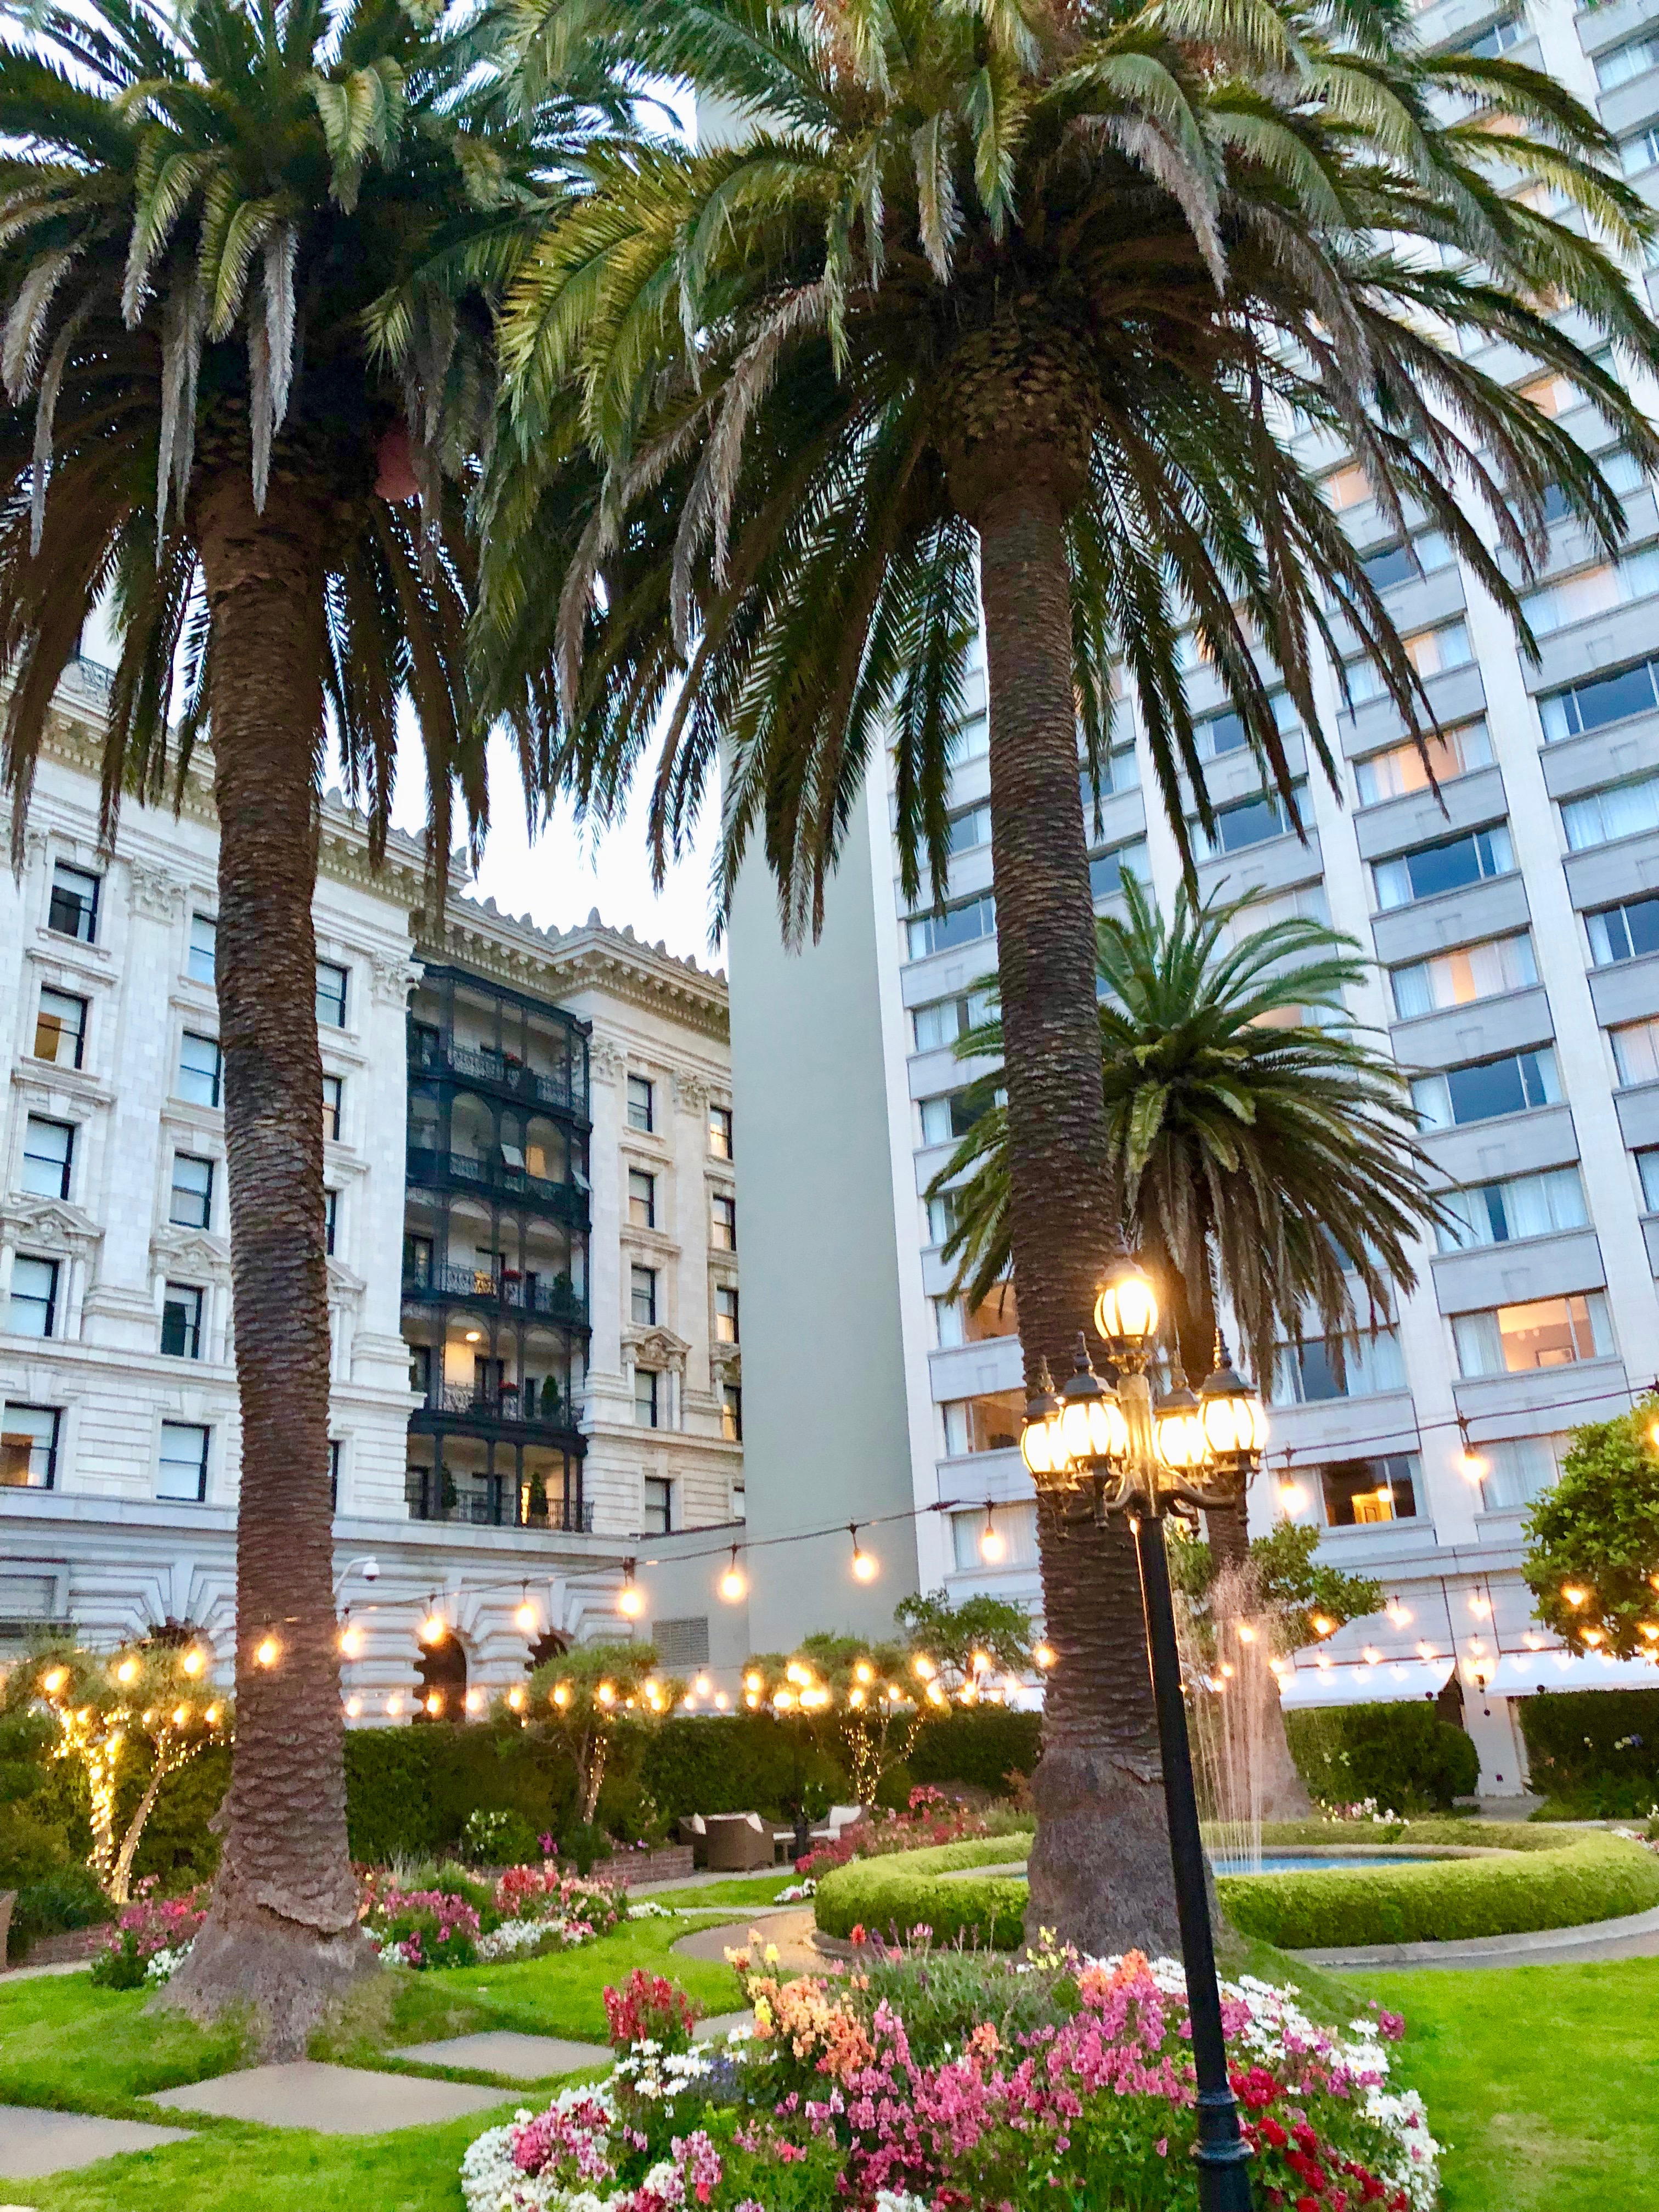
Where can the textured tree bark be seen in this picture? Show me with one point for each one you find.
(1100, 1865)
(281, 1932)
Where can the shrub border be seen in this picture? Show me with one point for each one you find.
(1524, 1881)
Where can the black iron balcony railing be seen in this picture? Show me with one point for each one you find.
(563, 1090)
(495, 1178)
(540, 1406)
(546, 1297)
(493, 1502)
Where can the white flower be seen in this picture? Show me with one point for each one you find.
(164, 1964)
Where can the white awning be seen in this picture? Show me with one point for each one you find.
(1391, 1681)
(1522, 1673)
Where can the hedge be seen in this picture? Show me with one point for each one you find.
(1595, 1748)
(1559, 1883)
(904, 1890)
(981, 1747)
(409, 1790)
(1403, 1755)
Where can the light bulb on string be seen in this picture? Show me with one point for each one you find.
(267, 1651)
(127, 1672)
(1045, 1656)
(193, 1661)
(865, 1567)
(515, 1699)
(734, 1584)
(992, 1546)
(351, 1639)
(434, 1627)
(475, 1699)
(525, 1615)
(630, 1598)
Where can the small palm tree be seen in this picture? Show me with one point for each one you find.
(247, 265)
(1007, 310)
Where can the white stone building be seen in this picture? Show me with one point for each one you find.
(119, 1466)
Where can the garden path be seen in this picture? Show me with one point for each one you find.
(788, 1930)
(35, 2142)
(502, 2051)
(329, 2100)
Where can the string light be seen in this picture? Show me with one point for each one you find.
(1292, 1496)
(703, 1685)
(1371, 1656)
(394, 1704)
(1425, 1651)
(1478, 1606)
(515, 1699)
(354, 1706)
(561, 1694)
(351, 1639)
(193, 1662)
(1246, 1633)
(434, 1627)
(475, 1699)
(1650, 1629)
(606, 1694)
(722, 1703)
(1400, 1615)
(734, 1584)
(1593, 1635)
(1045, 1656)
(921, 1665)
(267, 1651)
(630, 1598)
(127, 1671)
(526, 1615)
(1574, 1594)
(434, 1702)
(992, 1544)
(212, 1715)
(865, 1566)
(1322, 1625)
(1470, 1464)
(864, 1673)
(53, 1680)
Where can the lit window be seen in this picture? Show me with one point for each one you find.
(725, 1314)
(181, 1472)
(1544, 1333)
(720, 1132)
(1360, 1491)
(732, 1419)
(334, 1105)
(60, 1028)
(641, 1198)
(200, 1069)
(647, 1400)
(643, 1296)
(1403, 768)
(29, 1447)
(204, 949)
(33, 1308)
(191, 1205)
(73, 910)
(48, 1157)
(1015, 1526)
(181, 1321)
(991, 1422)
(1430, 653)
(1347, 487)
(640, 1103)
(1457, 979)
(723, 1223)
(330, 995)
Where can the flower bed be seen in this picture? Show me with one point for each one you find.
(939, 2080)
(150, 1938)
(529, 1910)
(932, 1820)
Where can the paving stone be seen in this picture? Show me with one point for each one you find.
(331, 2101)
(499, 2050)
(720, 2023)
(35, 2142)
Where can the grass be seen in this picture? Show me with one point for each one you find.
(1542, 2081)
(742, 1889)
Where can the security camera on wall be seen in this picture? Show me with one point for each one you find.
(371, 1571)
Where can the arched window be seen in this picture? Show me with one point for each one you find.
(549, 1644)
(442, 1670)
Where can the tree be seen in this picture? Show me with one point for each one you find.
(111, 1708)
(580, 1698)
(1250, 1140)
(248, 261)
(982, 312)
(1592, 1555)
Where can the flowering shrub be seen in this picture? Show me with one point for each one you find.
(944, 2082)
(545, 1893)
(424, 1927)
(1362, 1808)
(151, 1926)
(930, 1818)
(795, 1892)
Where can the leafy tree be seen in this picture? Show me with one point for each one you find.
(1010, 309)
(1592, 1555)
(246, 276)
(110, 1708)
(580, 1698)
(1307, 1599)
(966, 1639)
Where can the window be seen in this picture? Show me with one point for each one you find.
(1598, 700)
(48, 1157)
(991, 1422)
(1592, 591)
(200, 1069)
(639, 1089)
(1503, 1213)
(1347, 486)
(1638, 154)
(1402, 769)
(941, 1218)
(1518, 1469)
(952, 926)
(963, 832)
(1250, 822)
(1636, 1051)
(723, 1223)
(330, 995)
(29, 1447)
(1016, 1527)
(334, 1444)
(1623, 473)
(1482, 1089)
(944, 1020)
(417, 1261)
(1457, 979)
(1217, 735)
(182, 1471)
(1635, 58)
(947, 1118)
(1544, 1332)
(642, 1296)
(720, 1132)
(200, 961)
(658, 1506)
(1430, 653)
(1627, 932)
(1617, 809)
(1449, 865)
(334, 1105)
(1360, 1491)
(32, 1310)
(1409, 560)
(725, 1314)
(1305, 1375)
(192, 1206)
(641, 1198)
(1118, 772)
(331, 1219)
(181, 1321)
(60, 1028)
(647, 1401)
(73, 910)
(732, 1413)
(1498, 38)
(996, 1315)
(1108, 870)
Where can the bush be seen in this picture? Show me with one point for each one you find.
(737, 1762)
(982, 1748)
(499, 1838)
(70, 1898)
(408, 1791)
(907, 1891)
(1405, 1756)
(1597, 1750)
(31, 1847)
(1557, 1882)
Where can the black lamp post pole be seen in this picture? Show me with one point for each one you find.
(1221, 2153)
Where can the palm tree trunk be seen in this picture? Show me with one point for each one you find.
(1100, 1865)
(281, 1931)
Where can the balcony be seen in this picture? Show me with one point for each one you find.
(441, 1056)
(548, 1297)
(495, 1179)
(492, 1502)
(506, 1411)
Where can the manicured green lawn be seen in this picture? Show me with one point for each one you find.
(1543, 2080)
(741, 1889)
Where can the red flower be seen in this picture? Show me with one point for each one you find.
(1305, 2137)
(1275, 2135)
(1307, 2204)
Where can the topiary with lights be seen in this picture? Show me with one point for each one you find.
(1592, 1555)
(580, 1698)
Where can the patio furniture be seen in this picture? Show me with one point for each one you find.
(739, 1843)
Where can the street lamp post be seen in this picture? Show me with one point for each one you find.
(1136, 1458)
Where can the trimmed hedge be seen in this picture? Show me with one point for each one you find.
(1595, 1748)
(904, 1890)
(737, 1762)
(409, 1790)
(1405, 1756)
(1559, 1882)
(981, 1746)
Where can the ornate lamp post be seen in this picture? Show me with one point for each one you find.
(1137, 1458)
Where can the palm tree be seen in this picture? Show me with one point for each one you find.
(248, 260)
(997, 311)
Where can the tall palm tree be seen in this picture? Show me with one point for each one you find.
(1005, 311)
(247, 259)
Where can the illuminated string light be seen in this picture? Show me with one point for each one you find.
(193, 1662)
(561, 1694)
(606, 1694)
(351, 1639)
(394, 1705)
(630, 1598)
(1399, 1615)
(865, 1565)
(703, 1685)
(864, 1673)
(354, 1707)
(525, 1615)
(127, 1671)
(1322, 1624)
(722, 1703)
(434, 1702)
(515, 1699)
(53, 1680)
(267, 1651)
(1045, 1656)
(734, 1584)
(1292, 1496)
(1575, 1593)
(993, 1546)
(1479, 1606)
(434, 1627)
(1246, 1633)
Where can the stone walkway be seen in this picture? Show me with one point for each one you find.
(35, 2142)
(500, 2050)
(788, 1929)
(330, 2100)
(1636, 1935)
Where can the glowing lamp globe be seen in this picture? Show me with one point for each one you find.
(1178, 1426)
(1125, 1312)
(1234, 1418)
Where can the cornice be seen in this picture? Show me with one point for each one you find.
(557, 964)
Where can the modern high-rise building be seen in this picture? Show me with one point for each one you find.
(1513, 919)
